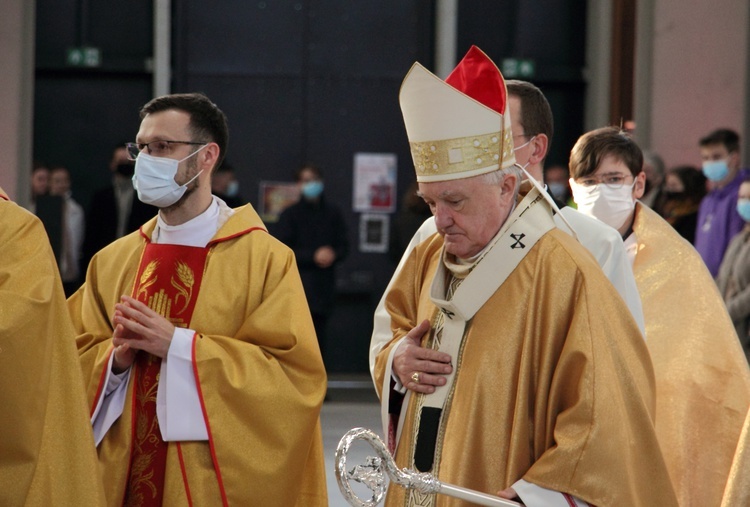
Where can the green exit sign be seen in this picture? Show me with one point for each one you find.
(83, 56)
(518, 67)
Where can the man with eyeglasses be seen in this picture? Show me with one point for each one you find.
(702, 377)
(201, 366)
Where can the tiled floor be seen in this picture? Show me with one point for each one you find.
(352, 404)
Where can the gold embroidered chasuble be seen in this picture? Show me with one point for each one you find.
(702, 377)
(47, 454)
(737, 491)
(257, 365)
(553, 383)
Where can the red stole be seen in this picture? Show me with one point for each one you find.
(168, 280)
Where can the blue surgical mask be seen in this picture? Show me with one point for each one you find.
(154, 179)
(233, 188)
(312, 189)
(743, 208)
(715, 170)
(558, 190)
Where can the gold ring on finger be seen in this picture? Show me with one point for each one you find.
(415, 377)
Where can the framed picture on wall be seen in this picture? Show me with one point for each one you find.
(275, 197)
(374, 182)
(374, 232)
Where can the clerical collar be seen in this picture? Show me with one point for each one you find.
(460, 268)
(195, 232)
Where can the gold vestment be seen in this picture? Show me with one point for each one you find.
(737, 491)
(553, 384)
(257, 365)
(702, 377)
(47, 453)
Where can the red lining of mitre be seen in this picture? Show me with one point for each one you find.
(478, 77)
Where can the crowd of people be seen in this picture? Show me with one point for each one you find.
(571, 336)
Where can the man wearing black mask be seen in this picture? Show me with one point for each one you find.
(114, 210)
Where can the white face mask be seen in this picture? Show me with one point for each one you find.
(612, 206)
(154, 179)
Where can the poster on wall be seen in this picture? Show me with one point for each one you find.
(374, 182)
(374, 232)
(275, 197)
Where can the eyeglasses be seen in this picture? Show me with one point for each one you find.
(612, 180)
(160, 148)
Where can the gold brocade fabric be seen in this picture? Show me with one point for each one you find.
(737, 491)
(554, 384)
(47, 454)
(257, 364)
(702, 377)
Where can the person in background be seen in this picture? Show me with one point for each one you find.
(225, 186)
(201, 368)
(734, 272)
(556, 178)
(316, 232)
(47, 207)
(653, 195)
(684, 189)
(414, 211)
(47, 454)
(690, 337)
(718, 220)
(73, 224)
(39, 183)
(114, 211)
(507, 340)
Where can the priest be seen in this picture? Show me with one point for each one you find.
(46, 444)
(526, 373)
(202, 370)
(702, 377)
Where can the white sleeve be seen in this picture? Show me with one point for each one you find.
(178, 406)
(537, 496)
(381, 325)
(607, 247)
(110, 404)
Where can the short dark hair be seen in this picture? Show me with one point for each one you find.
(316, 170)
(592, 147)
(536, 113)
(729, 138)
(38, 164)
(692, 179)
(207, 121)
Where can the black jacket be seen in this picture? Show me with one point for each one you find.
(101, 221)
(304, 227)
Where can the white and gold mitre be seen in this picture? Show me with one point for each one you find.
(460, 127)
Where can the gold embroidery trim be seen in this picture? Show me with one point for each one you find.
(461, 154)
